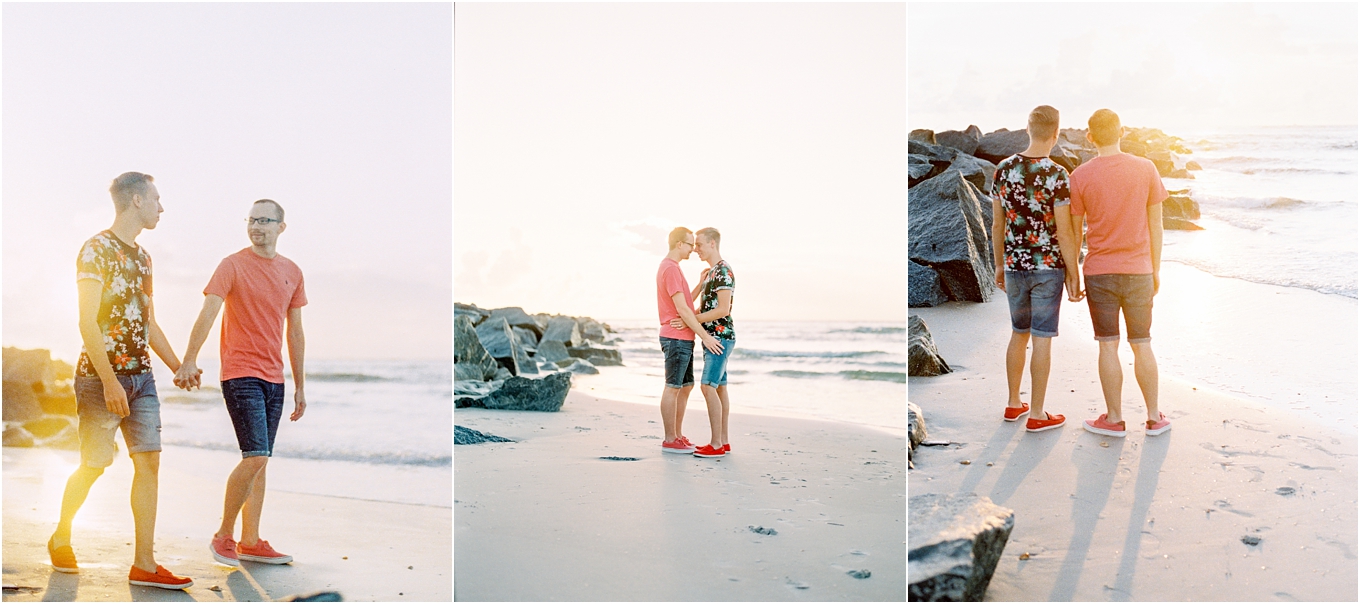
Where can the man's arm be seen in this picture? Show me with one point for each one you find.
(1154, 213)
(157, 339)
(88, 292)
(188, 371)
(687, 315)
(297, 344)
(999, 242)
(1067, 246)
(699, 287)
(723, 309)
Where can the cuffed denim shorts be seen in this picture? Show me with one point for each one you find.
(1035, 298)
(679, 362)
(1106, 295)
(715, 365)
(141, 428)
(255, 407)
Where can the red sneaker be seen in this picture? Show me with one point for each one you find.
(162, 578)
(685, 439)
(709, 451)
(1100, 426)
(63, 558)
(261, 552)
(224, 550)
(1161, 425)
(676, 446)
(727, 448)
(1014, 413)
(1039, 425)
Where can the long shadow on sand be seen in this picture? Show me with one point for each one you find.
(992, 451)
(61, 587)
(1096, 467)
(1149, 469)
(1028, 454)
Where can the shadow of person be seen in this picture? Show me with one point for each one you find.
(243, 588)
(990, 452)
(61, 587)
(1028, 454)
(1144, 491)
(1096, 467)
(141, 593)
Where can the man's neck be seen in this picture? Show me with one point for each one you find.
(126, 227)
(1108, 150)
(715, 259)
(264, 251)
(674, 254)
(1039, 149)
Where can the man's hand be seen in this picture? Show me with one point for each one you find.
(299, 406)
(677, 323)
(115, 399)
(703, 275)
(711, 344)
(1001, 278)
(1156, 282)
(188, 376)
(1074, 293)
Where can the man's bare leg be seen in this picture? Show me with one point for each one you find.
(145, 489)
(668, 403)
(77, 489)
(1015, 366)
(250, 512)
(726, 406)
(680, 402)
(1145, 371)
(1111, 380)
(238, 491)
(1038, 373)
(715, 414)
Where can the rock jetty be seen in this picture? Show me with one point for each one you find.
(39, 400)
(506, 358)
(954, 542)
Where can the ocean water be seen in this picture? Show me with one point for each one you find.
(388, 424)
(1279, 207)
(852, 372)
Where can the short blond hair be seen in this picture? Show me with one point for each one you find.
(126, 185)
(1104, 127)
(710, 234)
(677, 236)
(1043, 123)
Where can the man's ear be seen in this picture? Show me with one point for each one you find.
(283, 226)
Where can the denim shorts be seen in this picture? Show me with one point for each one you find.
(1035, 298)
(715, 365)
(1106, 295)
(255, 407)
(679, 362)
(141, 428)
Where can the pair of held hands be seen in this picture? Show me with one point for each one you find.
(711, 343)
(1071, 282)
(188, 377)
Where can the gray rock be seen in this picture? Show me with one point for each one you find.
(551, 351)
(948, 231)
(564, 330)
(528, 338)
(582, 366)
(474, 314)
(1179, 224)
(475, 387)
(469, 371)
(1066, 154)
(977, 171)
(468, 436)
(16, 436)
(923, 286)
(468, 349)
(502, 374)
(1180, 206)
(527, 366)
(923, 359)
(1001, 144)
(953, 544)
(516, 317)
(501, 343)
(523, 394)
(921, 168)
(922, 135)
(931, 151)
(965, 141)
(592, 329)
(1251, 539)
(597, 355)
(859, 574)
(916, 425)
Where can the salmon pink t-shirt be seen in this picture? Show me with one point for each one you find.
(258, 292)
(1114, 193)
(670, 280)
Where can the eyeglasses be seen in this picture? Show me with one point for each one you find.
(262, 221)
(687, 243)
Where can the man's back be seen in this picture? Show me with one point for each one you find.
(1114, 193)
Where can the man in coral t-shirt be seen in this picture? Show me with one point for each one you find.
(675, 300)
(1120, 196)
(261, 290)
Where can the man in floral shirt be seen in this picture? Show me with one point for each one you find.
(113, 383)
(1036, 254)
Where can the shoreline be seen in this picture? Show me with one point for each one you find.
(545, 518)
(358, 547)
(1168, 517)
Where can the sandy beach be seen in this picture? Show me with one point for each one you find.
(545, 518)
(1169, 517)
(365, 548)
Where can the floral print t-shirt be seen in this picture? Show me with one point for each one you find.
(124, 300)
(1029, 188)
(719, 277)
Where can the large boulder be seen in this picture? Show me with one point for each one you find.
(948, 231)
(597, 355)
(931, 151)
(468, 351)
(501, 343)
(528, 338)
(916, 431)
(577, 366)
(591, 329)
(523, 394)
(551, 351)
(965, 141)
(1179, 224)
(1001, 144)
(474, 314)
(923, 286)
(953, 544)
(516, 317)
(923, 359)
(923, 135)
(922, 167)
(28, 367)
(976, 170)
(1067, 155)
(19, 403)
(1181, 206)
(563, 329)
(468, 436)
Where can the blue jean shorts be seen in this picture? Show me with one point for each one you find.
(1035, 298)
(1106, 295)
(715, 365)
(679, 362)
(141, 428)
(255, 407)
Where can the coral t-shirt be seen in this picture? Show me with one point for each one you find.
(670, 280)
(1114, 193)
(258, 292)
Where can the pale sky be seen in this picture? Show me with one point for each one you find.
(585, 132)
(340, 112)
(1182, 66)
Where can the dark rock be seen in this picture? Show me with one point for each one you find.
(1251, 540)
(965, 141)
(922, 135)
(526, 365)
(597, 355)
(859, 574)
(47, 427)
(501, 343)
(975, 170)
(617, 458)
(516, 317)
(1178, 206)
(19, 403)
(468, 349)
(16, 436)
(475, 387)
(923, 286)
(762, 530)
(575, 365)
(468, 436)
(1285, 491)
(935, 153)
(562, 329)
(319, 596)
(1001, 144)
(923, 359)
(948, 231)
(502, 374)
(916, 431)
(953, 544)
(1193, 165)
(592, 329)
(523, 394)
(921, 168)
(1067, 155)
(474, 314)
(551, 351)
(1179, 224)
(468, 371)
(528, 338)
